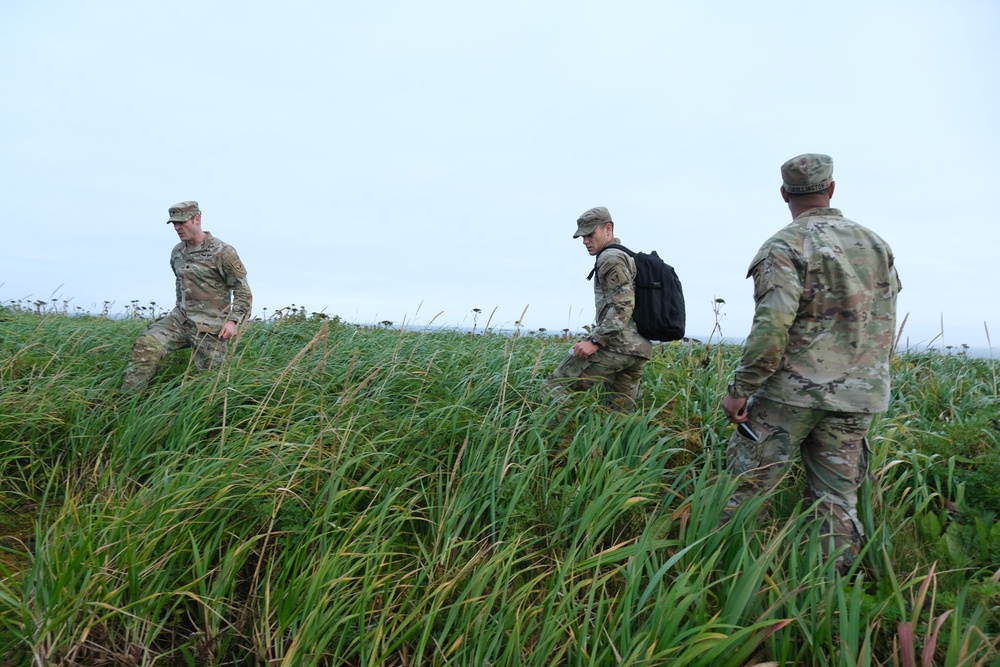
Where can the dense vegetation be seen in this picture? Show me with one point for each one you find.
(370, 496)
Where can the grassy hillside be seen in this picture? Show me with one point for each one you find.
(369, 496)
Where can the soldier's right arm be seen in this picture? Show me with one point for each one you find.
(177, 278)
(777, 288)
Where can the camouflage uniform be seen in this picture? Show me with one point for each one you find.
(623, 353)
(211, 285)
(816, 362)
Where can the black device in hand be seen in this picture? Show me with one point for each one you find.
(747, 432)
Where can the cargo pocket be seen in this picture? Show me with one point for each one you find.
(744, 453)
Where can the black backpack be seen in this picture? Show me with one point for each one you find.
(659, 299)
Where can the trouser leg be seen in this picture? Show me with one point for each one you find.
(835, 458)
(760, 465)
(161, 337)
(575, 374)
(146, 355)
(208, 350)
(623, 386)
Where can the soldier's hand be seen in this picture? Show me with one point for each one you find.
(584, 349)
(228, 330)
(735, 409)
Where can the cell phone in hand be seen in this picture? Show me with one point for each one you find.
(747, 432)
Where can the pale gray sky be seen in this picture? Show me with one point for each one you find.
(394, 160)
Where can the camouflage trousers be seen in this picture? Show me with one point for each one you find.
(168, 334)
(834, 452)
(620, 374)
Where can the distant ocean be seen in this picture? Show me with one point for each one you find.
(967, 350)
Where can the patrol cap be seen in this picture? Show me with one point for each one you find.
(183, 211)
(591, 220)
(811, 172)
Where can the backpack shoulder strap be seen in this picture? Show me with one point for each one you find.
(616, 246)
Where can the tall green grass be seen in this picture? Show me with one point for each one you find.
(368, 496)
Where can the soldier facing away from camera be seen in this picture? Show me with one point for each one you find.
(815, 367)
(213, 299)
(615, 354)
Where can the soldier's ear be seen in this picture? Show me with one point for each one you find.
(784, 194)
(829, 190)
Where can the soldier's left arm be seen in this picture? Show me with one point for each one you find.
(618, 281)
(235, 275)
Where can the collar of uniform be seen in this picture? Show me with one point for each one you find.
(820, 211)
(206, 242)
(614, 239)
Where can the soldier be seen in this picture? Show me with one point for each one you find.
(615, 354)
(213, 298)
(815, 366)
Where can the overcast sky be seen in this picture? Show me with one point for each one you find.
(408, 161)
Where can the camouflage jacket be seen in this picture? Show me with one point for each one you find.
(211, 284)
(825, 291)
(614, 298)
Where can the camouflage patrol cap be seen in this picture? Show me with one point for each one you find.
(183, 212)
(591, 220)
(807, 173)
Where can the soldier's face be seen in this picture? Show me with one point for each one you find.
(598, 238)
(188, 230)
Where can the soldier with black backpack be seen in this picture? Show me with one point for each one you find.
(616, 352)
